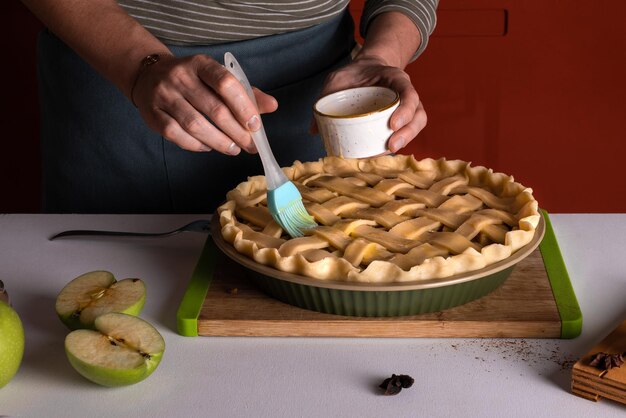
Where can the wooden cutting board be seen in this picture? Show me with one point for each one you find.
(592, 383)
(536, 301)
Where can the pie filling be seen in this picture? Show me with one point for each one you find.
(386, 219)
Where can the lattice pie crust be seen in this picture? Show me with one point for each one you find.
(386, 219)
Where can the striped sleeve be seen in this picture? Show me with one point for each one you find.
(421, 12)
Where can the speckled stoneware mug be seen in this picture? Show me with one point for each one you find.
(354, 123)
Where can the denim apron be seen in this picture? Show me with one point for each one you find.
(99, 157)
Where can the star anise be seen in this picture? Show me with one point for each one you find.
(605, 361)
(394, 384)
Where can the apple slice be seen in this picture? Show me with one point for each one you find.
(122, 350)
(95, 293)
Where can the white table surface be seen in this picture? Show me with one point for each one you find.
(292, 377)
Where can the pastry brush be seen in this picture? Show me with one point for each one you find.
(283, 198)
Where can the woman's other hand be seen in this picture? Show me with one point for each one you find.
(389, 46)
(408, 119)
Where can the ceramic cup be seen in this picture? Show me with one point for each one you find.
(354, 123)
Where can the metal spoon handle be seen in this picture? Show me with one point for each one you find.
(196, 226)
(89, 232)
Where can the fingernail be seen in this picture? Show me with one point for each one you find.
(252, 149)
(204, 148)
(233, 149)
(398, 144)
(399, 123)
(254, 123)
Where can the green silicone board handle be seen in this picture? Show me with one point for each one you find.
(191, 304)
(566, 302)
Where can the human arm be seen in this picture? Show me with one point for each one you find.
(392, 41)
(174, 94)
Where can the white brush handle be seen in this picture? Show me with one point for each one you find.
(274, 176)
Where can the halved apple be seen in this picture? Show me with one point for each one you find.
(122, 350)
(96, 293)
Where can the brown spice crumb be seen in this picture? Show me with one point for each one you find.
(233, 291)
(567, 364)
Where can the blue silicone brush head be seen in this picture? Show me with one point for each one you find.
(285, 205)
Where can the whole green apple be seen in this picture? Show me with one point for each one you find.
(122, 350)
(95, 293)
(11, 339)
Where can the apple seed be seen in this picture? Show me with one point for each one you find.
(97, 295)
(120, 342)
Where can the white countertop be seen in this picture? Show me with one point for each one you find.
(291, 377)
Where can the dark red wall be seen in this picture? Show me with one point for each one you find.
(533, 88)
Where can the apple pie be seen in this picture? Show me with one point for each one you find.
(386, 219)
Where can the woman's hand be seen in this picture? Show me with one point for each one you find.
(176, 96)
(391, 41)
(408, 119)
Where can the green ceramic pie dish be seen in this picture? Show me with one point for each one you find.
(375, 300)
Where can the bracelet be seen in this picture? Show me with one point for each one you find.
(145, 63)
